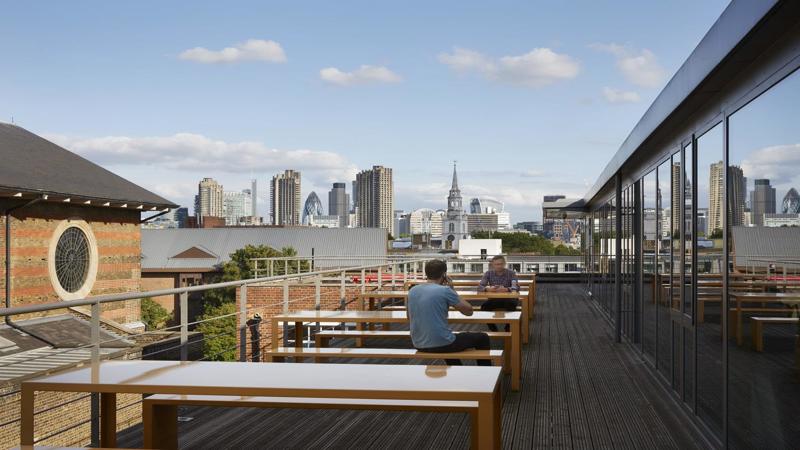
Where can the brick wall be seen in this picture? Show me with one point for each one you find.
(118, 237)
(267, 301)
(153, 281)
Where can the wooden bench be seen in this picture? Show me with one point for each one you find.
(322, 339)
(757, 328)
(159, 410)
(735, 318)
(320, 354)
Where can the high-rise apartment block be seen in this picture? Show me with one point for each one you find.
(716, 196)
(375, 201)
(209, 200)
(284, 198)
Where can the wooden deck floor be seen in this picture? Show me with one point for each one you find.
(579, 391)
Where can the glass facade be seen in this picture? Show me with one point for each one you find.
(708, 288)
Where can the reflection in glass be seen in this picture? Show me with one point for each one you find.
(664, 268)
(649, 224)
(764, 263)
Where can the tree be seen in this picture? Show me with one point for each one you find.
(716, 234)
(154, 316)
(219, 333)
(526, 243)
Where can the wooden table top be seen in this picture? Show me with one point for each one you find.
(291, 380)
(767, 296)
(391, 316)
(463, 294)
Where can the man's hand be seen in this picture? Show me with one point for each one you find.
(464, 307)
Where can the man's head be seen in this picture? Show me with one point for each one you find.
(498, 263)
(435, 269)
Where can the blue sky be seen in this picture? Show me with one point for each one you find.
(531, 98)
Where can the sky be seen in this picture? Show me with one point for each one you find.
(530, 98)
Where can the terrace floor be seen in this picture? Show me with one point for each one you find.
(579, 390)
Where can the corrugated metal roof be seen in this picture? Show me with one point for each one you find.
(43, 359)
(160, 246)
(755, 246)
(34, 164)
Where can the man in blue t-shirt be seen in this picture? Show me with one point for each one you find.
(428, 306)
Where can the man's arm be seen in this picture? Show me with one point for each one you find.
(484, 282)
(459, 304)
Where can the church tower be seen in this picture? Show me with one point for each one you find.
(454, 226)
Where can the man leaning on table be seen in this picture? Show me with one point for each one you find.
(499, 279)
(428, 307)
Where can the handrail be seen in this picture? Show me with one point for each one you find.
(100, 299)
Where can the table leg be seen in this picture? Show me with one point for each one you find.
(516, 356)
(26, 415)
(275, 334)
(757, 332)
(160, 424)
(108, 419)
(525, 320)
(487, 426)
(298, 337)
(701, 311)
(738, 324)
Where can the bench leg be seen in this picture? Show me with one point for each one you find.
(108, 419)
(488, 429)
(26, 416)
(525, 322)
(516, 357)
(507, 355)
(160, 426)
(757, 330)
(474, 420)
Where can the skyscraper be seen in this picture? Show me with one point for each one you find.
(236, 205)
(339, 203)
(547, 222)
(375, 201)
(209, 200)
(738, 185)
(311, 208)
(254, 197)
(454, 226)
(676, 199)
(791, 202)
(716, 196)
(284, 198)
(762, 201)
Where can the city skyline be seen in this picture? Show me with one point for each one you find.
(491, 81)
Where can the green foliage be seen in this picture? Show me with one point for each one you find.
(240, 267)
(526, 243)
(219, 335)
(154, 316)
(716, 234)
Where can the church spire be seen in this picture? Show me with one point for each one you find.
(454, 187)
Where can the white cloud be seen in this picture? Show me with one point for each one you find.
(619, 96)
(539, 67)
(250, 50)
(639, 67)
(779, 163)
(190, 152)
(365, 74)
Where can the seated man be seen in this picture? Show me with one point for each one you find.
(428, 306)
(499, 279)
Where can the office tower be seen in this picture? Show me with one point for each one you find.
(716, 196)
(208, 202)
(284, 198)
(311, 208)
(375, 202)
(762, 200)
(426, 221)
(180, 215)
(455, 219)
(354, 196)
(548, 223)
(236, 205)
(676, 199)
(401, 223)
(736, 198)
(483, 206)
(254, 198)
(339, 203)
(702, 222)
(791, 202)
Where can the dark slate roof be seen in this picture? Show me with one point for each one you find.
(32, 164)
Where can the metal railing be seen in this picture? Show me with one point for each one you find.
(353, 277)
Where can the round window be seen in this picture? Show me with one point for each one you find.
(72, 259)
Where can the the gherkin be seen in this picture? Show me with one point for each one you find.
(313, 207)
(791, 202)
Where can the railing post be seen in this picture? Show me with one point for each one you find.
(380, 277)
(342, 288)
(318, 297)
(95, 397)
(95, 333)
(394, 274)
(286, 267)
(243, 323)
(405, 273)
(363, 280)
(184, 305)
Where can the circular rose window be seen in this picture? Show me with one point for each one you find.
(72, 259)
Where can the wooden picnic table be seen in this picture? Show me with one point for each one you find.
(791, 300)
(354, 381)
(366, 302)
(511, 318)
